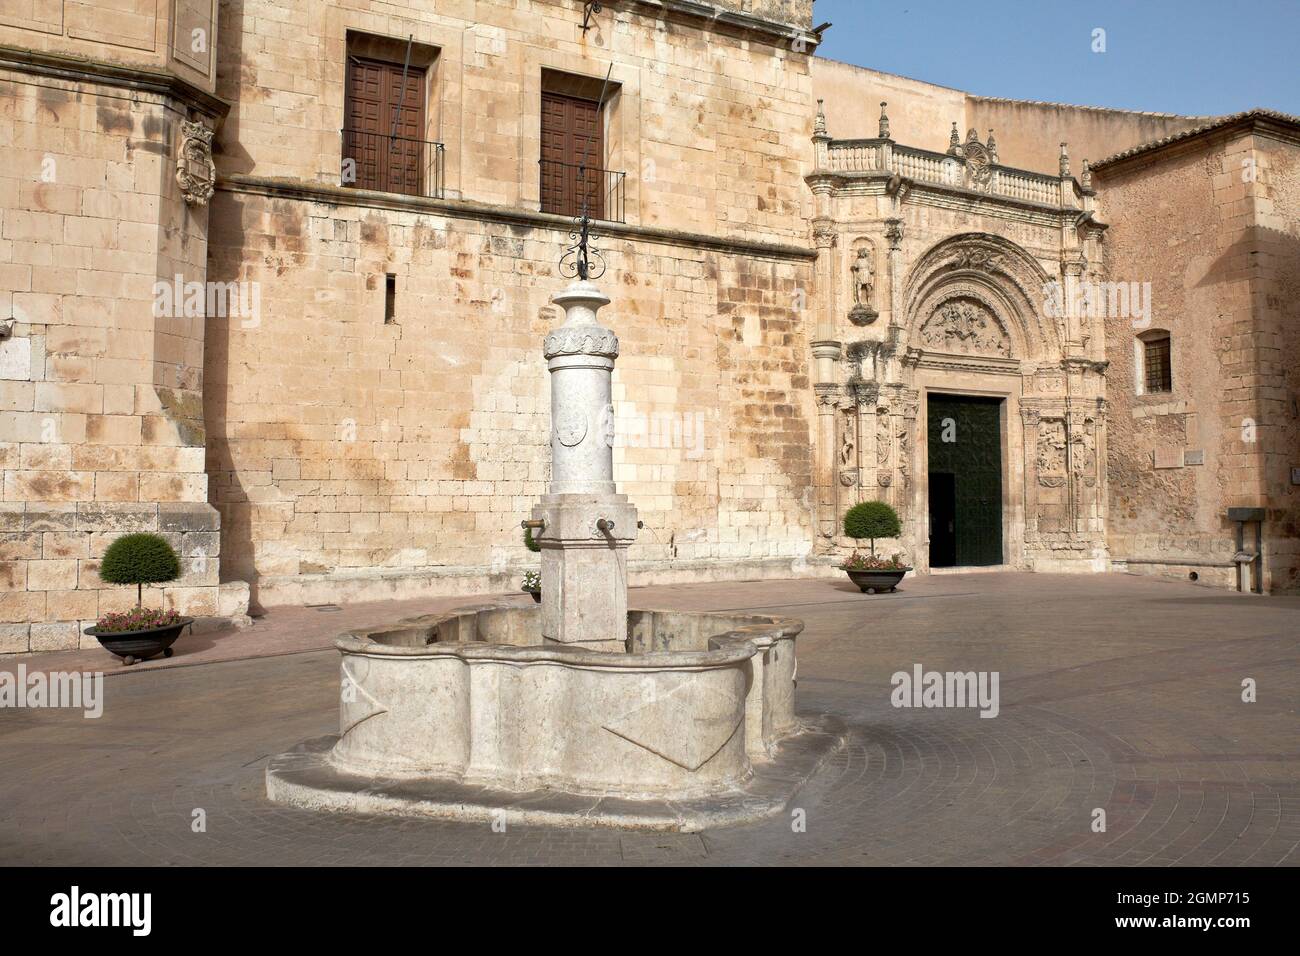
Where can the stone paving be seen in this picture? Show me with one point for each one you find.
(1116, 692)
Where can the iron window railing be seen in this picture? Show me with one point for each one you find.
(565, 186)
(392, 164)
(1157, 363)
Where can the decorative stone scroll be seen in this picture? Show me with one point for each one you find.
(581, 340)
(965, 326)
(195, 171)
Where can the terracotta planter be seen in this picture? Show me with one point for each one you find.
(133, 646)
(873, 582)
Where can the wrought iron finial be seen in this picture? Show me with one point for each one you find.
(582, 260)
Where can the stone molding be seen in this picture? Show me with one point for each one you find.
(76, 69)
(305, 191)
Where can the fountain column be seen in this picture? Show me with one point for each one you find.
(587, 526)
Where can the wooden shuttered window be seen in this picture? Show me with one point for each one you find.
(384, 126)
(573, 150)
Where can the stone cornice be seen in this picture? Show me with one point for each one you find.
(146, 79)
(506, 215)
(700, 13)
(992, 364)
(1281, 126)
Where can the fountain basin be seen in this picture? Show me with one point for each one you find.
(450, 714)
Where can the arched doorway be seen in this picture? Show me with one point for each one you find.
(986, 367)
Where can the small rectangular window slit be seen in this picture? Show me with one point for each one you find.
(390, 299)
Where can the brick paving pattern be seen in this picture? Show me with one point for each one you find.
(1116, 692)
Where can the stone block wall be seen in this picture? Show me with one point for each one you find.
(1274, 239)
(346, 452)
(1202, 226)
(709, 122)
(176, 36)
(100, 418)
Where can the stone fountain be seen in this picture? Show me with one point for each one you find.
(580, 712)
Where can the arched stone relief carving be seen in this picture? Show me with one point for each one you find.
(964, 324)
(1001, 274)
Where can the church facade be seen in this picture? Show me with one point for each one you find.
(275, 280)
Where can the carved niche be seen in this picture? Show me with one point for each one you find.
(1051, 453)
(965, 326)
(1083, 455)
(862, 271)
(848, 453)
(195, 171)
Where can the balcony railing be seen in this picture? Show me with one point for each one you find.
(565, 187)
(392, 164)
(923, 165)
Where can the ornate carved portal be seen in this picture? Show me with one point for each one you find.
(964, 320)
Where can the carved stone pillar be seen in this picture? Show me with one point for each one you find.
(1076, 454)
(865, 397)
(828, 399)
(884, 439)
(825, 238)
(894, 241)
(1103, 497)
(1030, 420)
(587, 526)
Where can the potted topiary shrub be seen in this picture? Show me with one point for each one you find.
(142, 632)
(872, 520)
(532, 579)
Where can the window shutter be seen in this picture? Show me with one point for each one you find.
(376, 108)
(573, 151)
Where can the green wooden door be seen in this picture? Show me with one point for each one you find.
(965, 440)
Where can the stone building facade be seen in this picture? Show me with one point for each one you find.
(276, 276)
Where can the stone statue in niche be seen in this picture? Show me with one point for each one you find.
(1082, 457)
(847, 445)
(883, 436)
(904, 453)
(848, 452)
(863, 271)
(967, 327)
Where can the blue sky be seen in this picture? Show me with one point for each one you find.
(1175, 56)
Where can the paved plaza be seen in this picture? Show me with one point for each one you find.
(1116, 692)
